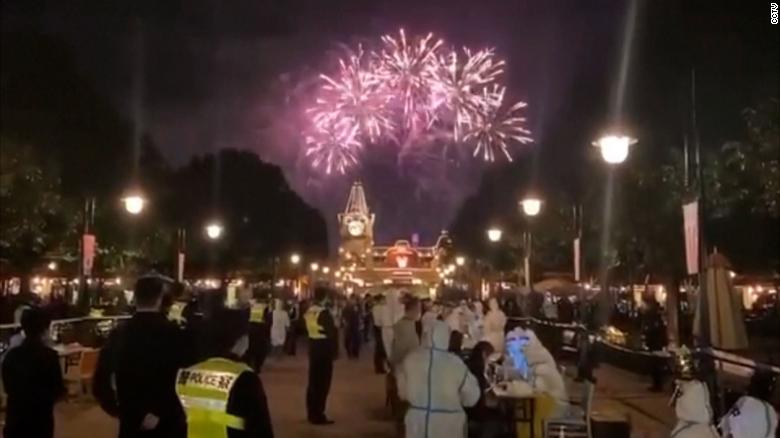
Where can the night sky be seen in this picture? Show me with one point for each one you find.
(231, 73)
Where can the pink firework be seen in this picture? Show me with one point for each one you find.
(354, 96)
(407, 69)
(333, 147)
(460, 86)
(495, 130)
(412, 89)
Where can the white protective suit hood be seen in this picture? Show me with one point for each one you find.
(278, 305)
(437, 385)
(693, 404)
(693, 411)
(493, 304)
(751, 417)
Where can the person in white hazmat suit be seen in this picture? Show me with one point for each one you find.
(392, 312)
(693, 411)
(752, 416)
(437, 384)
(280, 323)
(543, 371)
(494, 324)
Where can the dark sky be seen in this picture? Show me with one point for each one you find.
(228, 73)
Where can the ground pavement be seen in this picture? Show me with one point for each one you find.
(624, 394)
(356, 404)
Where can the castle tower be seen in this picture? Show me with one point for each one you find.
(356, 228)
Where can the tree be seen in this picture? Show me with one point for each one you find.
(34, 219)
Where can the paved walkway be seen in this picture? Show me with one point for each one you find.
(356, 404)
(624, 394)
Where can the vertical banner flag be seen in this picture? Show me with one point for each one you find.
(88, 251)
(180, 268)
(577, 259)
(691, 226)
(415, 240)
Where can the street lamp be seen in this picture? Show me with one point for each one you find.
(531, 207)
(295, 259)
(134, 203)
(325, 270)
(460, 260)
(52, 266)
(614, 147)
(494, 234)
(314, 267)
(214, 230)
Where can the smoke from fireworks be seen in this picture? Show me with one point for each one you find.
(406, 87)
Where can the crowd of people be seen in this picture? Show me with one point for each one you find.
(192, 368)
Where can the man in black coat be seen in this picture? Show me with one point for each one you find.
(143, 356)
(33, 381)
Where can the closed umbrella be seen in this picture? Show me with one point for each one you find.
(726, 322)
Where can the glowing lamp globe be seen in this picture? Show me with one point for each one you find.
(214, 231)
(314, 267)
(134, 204)
(614, 148)
(494, 234)
(325, 270)
(460, 260)
(295, 259)
(531, 206)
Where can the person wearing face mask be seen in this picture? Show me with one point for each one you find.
(221, 396)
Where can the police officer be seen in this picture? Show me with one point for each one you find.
(222, 397)
(259, 333)
(322, 338)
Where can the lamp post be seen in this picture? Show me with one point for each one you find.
(531, 207)
(494, 234)
(214, 230)
(614, 147)
(134, 203)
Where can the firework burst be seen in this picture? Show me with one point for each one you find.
(407, 90)
(496, 130)
(333, 147)
(354, 96)
(458, 86)
(407, 70)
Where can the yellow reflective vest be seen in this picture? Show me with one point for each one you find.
(257, 313)
(313, 326)
(204, 390)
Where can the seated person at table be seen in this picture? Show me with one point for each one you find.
(437, 385)
(545, 376)
(33, 381)
(483, 420)
(529, 361)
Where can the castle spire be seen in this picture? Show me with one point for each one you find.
(356, 203)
